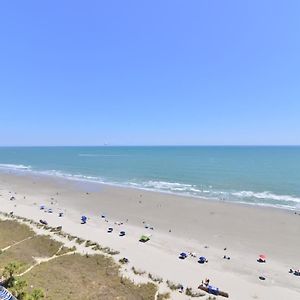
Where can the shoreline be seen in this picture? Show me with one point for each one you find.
(83, 180)
(201, 226)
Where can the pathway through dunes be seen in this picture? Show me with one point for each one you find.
(57, 264)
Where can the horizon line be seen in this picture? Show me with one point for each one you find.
(157, 145)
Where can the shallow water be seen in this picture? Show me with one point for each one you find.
(254, 175)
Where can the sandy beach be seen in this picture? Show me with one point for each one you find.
(176, 224)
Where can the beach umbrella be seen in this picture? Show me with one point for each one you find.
(202, 260)
(262, 257)
(182, 255)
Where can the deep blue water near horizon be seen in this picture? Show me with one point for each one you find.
(262, 175)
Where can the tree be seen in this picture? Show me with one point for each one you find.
(11, 269)
(18, 285)
(9, 272)
(18, 288)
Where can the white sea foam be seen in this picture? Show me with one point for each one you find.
(14, 167)
(265, 195)
(169, 186)
(72, 176)
(265, 198)
(256, 198)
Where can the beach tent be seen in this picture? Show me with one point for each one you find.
(145, 238)
(5, 294)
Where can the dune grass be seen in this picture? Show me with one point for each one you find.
(12, 232)
(86, 277)
(72, 276)
(26, 252)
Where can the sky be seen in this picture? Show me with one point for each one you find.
(138, 72)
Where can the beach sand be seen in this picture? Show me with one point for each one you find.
(180, 224)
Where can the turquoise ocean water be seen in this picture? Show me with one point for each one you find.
(255, 175)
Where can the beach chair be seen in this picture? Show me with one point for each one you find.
(83, 219)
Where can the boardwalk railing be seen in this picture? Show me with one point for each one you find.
(5, 294)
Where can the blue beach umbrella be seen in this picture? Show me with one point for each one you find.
(182, 255)
(202, 260)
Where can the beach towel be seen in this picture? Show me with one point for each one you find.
(213, 290)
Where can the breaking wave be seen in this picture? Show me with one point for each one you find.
(265, 198)
(14, 167)
(266, 195)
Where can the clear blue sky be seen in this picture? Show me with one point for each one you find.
(149, 72)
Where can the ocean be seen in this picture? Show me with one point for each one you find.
(268, 176)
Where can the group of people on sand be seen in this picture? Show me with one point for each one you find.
(295, 272)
